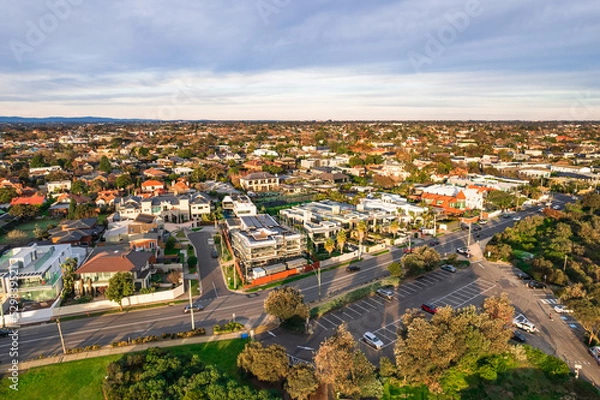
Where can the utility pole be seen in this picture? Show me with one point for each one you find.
(469, 237)
(434, 224)
(565, 267)
(319, 278)
(192, 308)
(62, 339)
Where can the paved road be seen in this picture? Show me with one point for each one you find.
(211, 276)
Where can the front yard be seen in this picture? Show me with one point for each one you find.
(28, 228)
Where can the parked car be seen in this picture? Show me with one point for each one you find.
(214, 253)
(522, 322)
(536, 285)
(517, 218)
(352, 268)
(449, 268)
(387, 292)
(506, 216)
(464, 227)
(4, 332)
(464, 251)
(561, 309)
(595, 352)
(430, 308)
(483, 221)
(523, 276)
(434, 242)
(556, 207)
(195, 307)
(408, 250)
(475, 228)
(518, 337)
(372, 340)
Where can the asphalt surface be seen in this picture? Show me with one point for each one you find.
(375, 314)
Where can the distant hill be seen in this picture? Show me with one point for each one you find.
(67, 120)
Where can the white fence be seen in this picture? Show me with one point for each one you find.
(339, 259)
(46, 314)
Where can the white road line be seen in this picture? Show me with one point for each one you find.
(405, 287)
(390, 330)
(369, 303)
(321, 325)
(353, 310)
(328, 320)
(335, 316)
(480, 294)
(376, 301)
(379, 333)
(359, 306)
(347, 315)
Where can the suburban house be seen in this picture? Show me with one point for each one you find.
(60, 208)
(34, 200)
(106, 198)
(77, 232)
(39, 276)
(104, 264)
(58, 186)
(152, 185)
(169, 207)
(260, 182)
(453, 198)
(239, 204)
(155, 173)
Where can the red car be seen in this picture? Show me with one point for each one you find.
(430, 308)
(407, 250)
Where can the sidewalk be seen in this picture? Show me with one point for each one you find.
(107, 350)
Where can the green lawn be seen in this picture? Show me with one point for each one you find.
(28, 228)
(83, 379)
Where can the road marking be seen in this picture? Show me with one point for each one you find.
(549, 301)
(481, 265)
(376, 301)
(271, 333)
(479, 282)
(359, 306)
(328, 320)
(370, 305)
(321, 325)
(335, 316)
(347, 315)
(305, 348)
(353, 310)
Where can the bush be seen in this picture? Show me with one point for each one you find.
(228, 328)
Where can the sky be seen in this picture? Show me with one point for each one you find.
(301, 59)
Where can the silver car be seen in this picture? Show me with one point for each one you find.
(449, 268)
(372, 340)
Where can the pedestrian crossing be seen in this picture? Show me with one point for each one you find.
(549, 301)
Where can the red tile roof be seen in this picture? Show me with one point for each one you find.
(34, 200)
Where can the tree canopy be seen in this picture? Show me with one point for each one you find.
(120, 285)
(285, 303)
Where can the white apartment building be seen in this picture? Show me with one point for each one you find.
(170, 208)
(394, 205)
(473, 198)
(58, 186)
(39, 276)
(240, 205)
(259, 241)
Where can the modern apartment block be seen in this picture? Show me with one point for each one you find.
(170, 208)
(259, 241)
(239, 205)
(260, 182)
(35, 271)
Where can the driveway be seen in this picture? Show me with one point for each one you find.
(211, 277)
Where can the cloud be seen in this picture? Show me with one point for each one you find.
(350, 57)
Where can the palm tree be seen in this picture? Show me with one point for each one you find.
(329, 245)
(361, 231)
(394, 228)
(341, 240)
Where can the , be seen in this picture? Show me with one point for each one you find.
(372, 340)
(195, 307)
(449, 268)
(430, 308)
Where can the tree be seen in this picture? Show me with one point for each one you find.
(79, 187)
(587, 313)
(170, 243)
(143, 152)
(105, 165)
(396, 269)
(123, 181)
(120, 285)
(355, 161)
(361, 231)
(174, 277)
(72, 209)
(23, 211)
(68, 276)
(7, 193)
(329, 245)
(500, 199)
(192, 262)
(268, 364)
(394, 228)
(499, 308)
(38, 232)
(37, 161)
(339, 363)
(341, 240)
(285, 303)
(301, 381)
(16, 234)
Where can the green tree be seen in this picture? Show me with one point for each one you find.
(268, 364)
(79, 187)
(123, 181)
(23, 211)
(38, 232)
(587, 312)
(286, 303)
(37, 161)
(120, 285)
(7, 193)
(394, 228)
(329, 245)
(361, 231)
(396, 269)
(341, 240)
(143, 152)
(170, 243)
(72, 209)
(339, 363)
(500, 199)
(105, 165)
(68, 276)
(192, 262)
(356, 161)
(301, 381)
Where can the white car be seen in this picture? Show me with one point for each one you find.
(522, 322)
(517, 218)
(372, 340)
(562, 309)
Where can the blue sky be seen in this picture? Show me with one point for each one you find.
(293, 59)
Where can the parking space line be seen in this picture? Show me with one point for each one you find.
(390, 330)
(405, 287)
(333, 315)
(480, 294)
(347, 315)
(328, 320)
(376, 301)
(421, 285)
(369, 303)
(353, 310)
(359, 306)
(379, 333)
(430, 279)
(322, 326)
